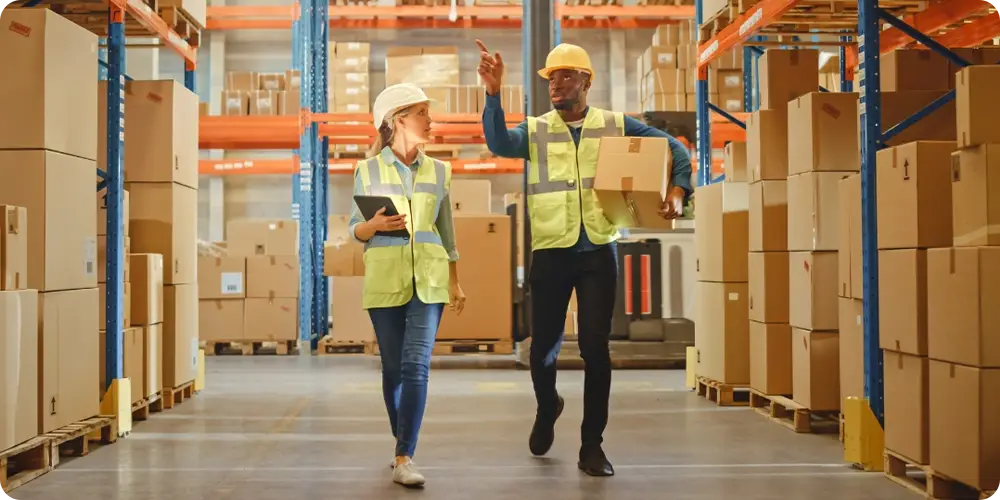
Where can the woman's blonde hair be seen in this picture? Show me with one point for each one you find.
(387, 131)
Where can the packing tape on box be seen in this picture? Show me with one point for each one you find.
(966, 239)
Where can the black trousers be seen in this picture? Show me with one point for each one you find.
(554, 275)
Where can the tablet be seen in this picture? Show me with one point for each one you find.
(370, 205)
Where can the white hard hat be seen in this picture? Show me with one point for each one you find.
(394, 98)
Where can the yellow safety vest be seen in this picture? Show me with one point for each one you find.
(393, 264)
(561, 179)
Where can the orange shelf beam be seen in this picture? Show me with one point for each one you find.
(740, 30)
(972, 34)
(148, 18)
(288, 166)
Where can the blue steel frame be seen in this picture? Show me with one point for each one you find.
(870, 19)
(113, 70)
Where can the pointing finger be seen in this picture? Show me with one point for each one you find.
(482, 46)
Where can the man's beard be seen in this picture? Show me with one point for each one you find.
(565, 104)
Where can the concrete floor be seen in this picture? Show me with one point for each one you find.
(280, 428)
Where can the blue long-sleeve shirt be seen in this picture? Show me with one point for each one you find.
(513, 143)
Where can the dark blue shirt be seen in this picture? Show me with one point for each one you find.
(513, 143)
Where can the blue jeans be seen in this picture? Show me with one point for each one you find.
(405, 340)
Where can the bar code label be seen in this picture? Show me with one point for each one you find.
(232, 283)
(90, 257)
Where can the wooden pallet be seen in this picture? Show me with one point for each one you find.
(457, 347)
(177, 395)
(141, 409)
(74, 439)
(329, 346)
(250, 348)
(24, 462)
(923, 480)
(796, 417)
(723, 394)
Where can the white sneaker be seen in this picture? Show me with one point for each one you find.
(406, 474)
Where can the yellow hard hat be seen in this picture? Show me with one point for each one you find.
(567, 56)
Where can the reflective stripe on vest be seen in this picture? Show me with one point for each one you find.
(543, 137)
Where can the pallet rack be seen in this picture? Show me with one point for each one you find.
(143, 21)
(310, 134)
(942, 24)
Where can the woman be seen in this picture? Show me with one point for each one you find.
(407, 279)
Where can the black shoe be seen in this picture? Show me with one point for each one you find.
(543, 434)
(594, 462)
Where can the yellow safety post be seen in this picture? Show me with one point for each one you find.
(117, 403)
(690, 380)
(199, 380)
(864, 438)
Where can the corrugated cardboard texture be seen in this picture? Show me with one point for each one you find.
(902, 308)
(180, 334)
(14, 248)
(852, 348)
(786, 75)
(69, 357)
(814, 211)
(907, 426)
(221, 319)
(812, 290)
(963, 316)
(723, 236)
(147, 298)
(768, 280)
(222, 277)
(165, 221)
(978, 106)
(975, 195)
(722, 332)
(815, 366)
(351, 322)
(18, 367)
(768, 216)
(767, 145)
(823, 133)
(471, 196)
(913, 210)
(771, 358)
(271, 319)
(58, 193)
(52, 102)
(272, 276)
(633, 175)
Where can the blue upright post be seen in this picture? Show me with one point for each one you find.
(302, 189)
(190, 76)
(871, 142)
(321, 174)
(704, 124)
(113, 179)
(748, 74)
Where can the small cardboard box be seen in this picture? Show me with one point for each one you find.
(245, 237)
(735, 162)
(221, 319)
(147, 298)
(268, 320)
(768, 216)
(69, 352)
(245, 81)
(903, 312)
(907, 408)
(815, 366)
(823, 133)
(814, 211)
(771, 358)
(221, 277)
(768, 280)
(235, 103)
(165, 221)
(722, 238)
(264, 103)
(978, 106)
(975, 195)
(786, 75)
(471, 196)
(633, 175)
(767, 145)
(962, 298)
(14, 248)
(913, 210)
(812, 290)
(912, 69)
(270, 276)
(722, 332)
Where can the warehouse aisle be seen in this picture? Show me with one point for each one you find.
(287, 428)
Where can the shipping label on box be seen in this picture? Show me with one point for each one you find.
(975, 195)
(633, 175)
(235, 103)
(273, 276)
(812, 291)
(913, 210)
(221, 277)
(823, 133)
(14, 248)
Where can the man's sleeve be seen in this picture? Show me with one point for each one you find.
(503, 142)
(681, 157)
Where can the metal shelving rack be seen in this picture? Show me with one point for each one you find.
(938, 18)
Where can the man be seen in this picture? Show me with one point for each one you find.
(573, 242)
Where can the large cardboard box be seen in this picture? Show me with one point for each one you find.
(852, 348)
(850, 253)
(768, 216)
(234, 103)
(668, 81)
(963, 295)
(963, 442)
(722, 237)
(343, 258)
(264, 103)
(221, 319)
(913, 210)
(133, 350)
(56, 190)
(14, 248)
(767, 145)
(180, 334)
(907, 425)
(823, 133)
(735, 162)
(656, 57)
(152, 365)
(52, 102)
(68, 358)
(268, 320)
(242, 80)
(912, 69)
(165, 221)
(771, 358)
(937, 126)
(270, 276)
(814, 211)
(902, 308)
(812, 290)
(165, 147)
(786, 75)
(147, 298)
(262, 237)
(485, 274)
(815, 366)
(975, 98)
(18, 366)
(633, 176)
(722, 332)
(665, 102)
(221, 277)
(471, 196)
(768, 279)
(975, 195)
(351, 322)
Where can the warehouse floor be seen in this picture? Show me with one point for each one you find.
(279, 428)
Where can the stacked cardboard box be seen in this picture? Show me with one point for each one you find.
(48, 153)
(290, 96)
(102, 260)
(147, 312)
(271, 251)
(343, 259)
(221, 294)
(850, 290)
(349, 78)
(722, 335)
(161, 174)
(424, 66)
(962, 297)
(18, 332)
(260, 94)
(471, 196)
